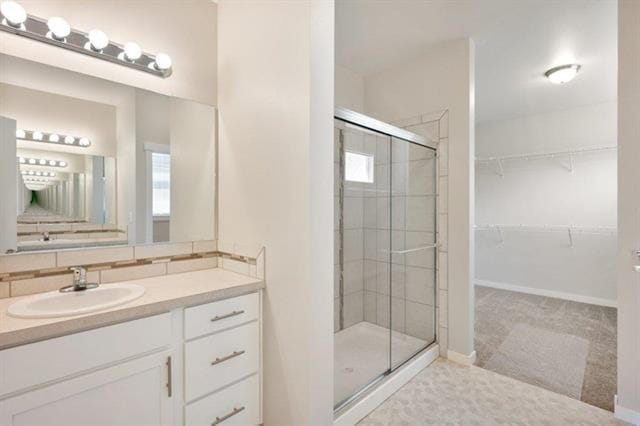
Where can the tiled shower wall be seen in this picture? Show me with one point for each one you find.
(436, 126)
(367, 214)
(352, 215)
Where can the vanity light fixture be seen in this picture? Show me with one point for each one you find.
(42, 162)
(562, 74)
(36, 136)
(56, 31)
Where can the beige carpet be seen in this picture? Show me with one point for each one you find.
(449, 394)
(554, 361)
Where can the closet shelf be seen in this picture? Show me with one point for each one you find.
(541, 155)
(569, 230)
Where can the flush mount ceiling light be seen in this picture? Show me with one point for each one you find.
(41, 162)
(563, 73)
(56, 31)
(55, 138)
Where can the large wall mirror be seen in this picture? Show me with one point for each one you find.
(87, 162)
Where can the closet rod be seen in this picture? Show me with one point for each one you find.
(548, 228)
(546, 154)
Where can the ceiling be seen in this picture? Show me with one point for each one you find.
(516, 41)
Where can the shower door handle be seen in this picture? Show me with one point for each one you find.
(410, 250)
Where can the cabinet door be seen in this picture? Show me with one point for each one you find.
(132, 393)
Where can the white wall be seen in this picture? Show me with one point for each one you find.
(628, 399)
(349, 89)
(544, 192)
(193, 170)
(8, 178)
(442, 79)
(152, 126)
(48, 112)
(186, 30)
(276, 187)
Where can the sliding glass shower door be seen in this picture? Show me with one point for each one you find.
(384, 286)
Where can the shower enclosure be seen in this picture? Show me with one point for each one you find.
(385, 254)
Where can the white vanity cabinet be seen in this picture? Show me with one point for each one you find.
(198, 365)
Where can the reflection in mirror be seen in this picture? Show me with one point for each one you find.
(89, 162)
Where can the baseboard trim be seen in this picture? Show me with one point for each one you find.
(463, 359)
(626, 414)
(549, 293)
(359, 410)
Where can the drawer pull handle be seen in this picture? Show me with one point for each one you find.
(231, 414)
(227, 358)
(221, 317)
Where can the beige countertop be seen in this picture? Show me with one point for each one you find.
(162, 294)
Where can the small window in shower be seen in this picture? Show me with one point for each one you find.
(358, 167)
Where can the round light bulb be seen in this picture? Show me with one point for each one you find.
(562, 74)
(54, 138)
(59, 28)
(162, 62)
(69, 140)
(52, 162)
(20, 134)
(31, 173)
(84, 142)
(38, 173)
(52, 174)
(32, 161)
(13, 13)
(42, 161)
(37, 136)
(132, 51)
(98, 40)
(62, 164)
(23, 172)
(22, 160)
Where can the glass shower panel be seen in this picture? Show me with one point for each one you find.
(413, 240)
(362, 256)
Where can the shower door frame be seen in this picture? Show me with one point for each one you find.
(368, 123)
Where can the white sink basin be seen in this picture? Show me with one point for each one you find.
(56, 304)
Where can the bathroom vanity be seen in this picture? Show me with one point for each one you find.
(187, 352)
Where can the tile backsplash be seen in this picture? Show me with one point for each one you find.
(28, 273)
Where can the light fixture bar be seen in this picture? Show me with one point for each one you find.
(95, 43)
(37, 173)
(41, 162)
(52, 138)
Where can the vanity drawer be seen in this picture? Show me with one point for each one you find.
(216, 316)
(37, 363)
(215, 361)
(236, 405)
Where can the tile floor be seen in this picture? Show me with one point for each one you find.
(446, 393)
(361, 354)
(499, 312)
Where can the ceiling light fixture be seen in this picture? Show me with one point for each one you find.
(562, 74)
(56, 31)
(36, 136)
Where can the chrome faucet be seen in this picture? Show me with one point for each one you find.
(79, 281)
(45, 236)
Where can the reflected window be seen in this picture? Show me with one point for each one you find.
(161, 183)
(358, 167)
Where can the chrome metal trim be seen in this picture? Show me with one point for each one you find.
(169, 378)
(379, 126)
(35, 28)
(227, 358)
(235, 411)
(433, 246)
(221, 317)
